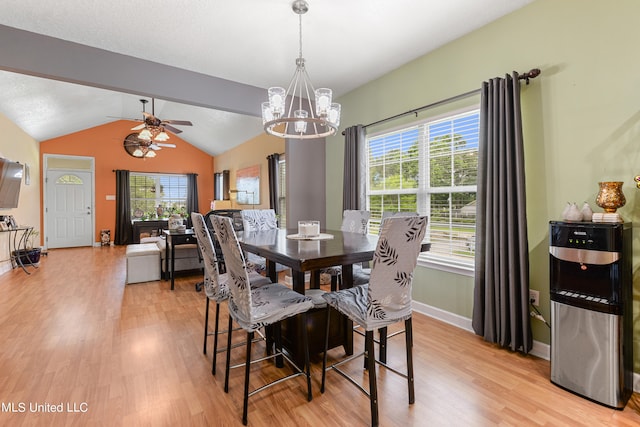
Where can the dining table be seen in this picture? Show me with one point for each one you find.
(302, 255)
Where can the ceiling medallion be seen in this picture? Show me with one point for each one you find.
(304, 117)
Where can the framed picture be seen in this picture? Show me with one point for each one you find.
(248, 185)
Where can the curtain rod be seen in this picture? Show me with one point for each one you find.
(532, 74)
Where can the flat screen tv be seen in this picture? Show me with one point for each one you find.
(10, 180)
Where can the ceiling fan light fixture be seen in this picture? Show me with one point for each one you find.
(162, 136)
(150, 154)
(145, 134)
(137, 153)
(317, 122)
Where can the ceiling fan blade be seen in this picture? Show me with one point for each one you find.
(139, 127)
(172, 129)
(155, 147)
(178, 122)
(162, 144)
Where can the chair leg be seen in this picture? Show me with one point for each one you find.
(373, 387)
(334, 283)
(409, 342)
(277, 338)
(226, 375)
(206, 326)
(247, 370)
(307, 363)
(215, 340)
(326, 348)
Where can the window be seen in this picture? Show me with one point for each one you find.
(430, 168)
(69, 180)
(157, 195)
(282, 191)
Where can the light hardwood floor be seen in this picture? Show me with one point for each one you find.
(72, 333)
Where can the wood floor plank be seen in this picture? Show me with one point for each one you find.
(72, 333)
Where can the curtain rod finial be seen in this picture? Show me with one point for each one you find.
(532, 74)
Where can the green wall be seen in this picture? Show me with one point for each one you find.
(581, 120)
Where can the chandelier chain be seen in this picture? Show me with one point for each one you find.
(300, 33)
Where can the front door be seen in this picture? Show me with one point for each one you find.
(68, 213)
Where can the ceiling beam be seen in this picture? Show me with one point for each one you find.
(34, 54)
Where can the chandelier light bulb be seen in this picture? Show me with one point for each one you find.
(277, 96)
(334, 114)
(266, 113)
(323, 101)
(300, 125)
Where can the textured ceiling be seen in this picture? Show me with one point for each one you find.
(346, 43)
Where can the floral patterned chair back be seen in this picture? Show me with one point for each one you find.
(214, 287)
(240, 305)
(395, 258)
(259, 219)
(355, 221)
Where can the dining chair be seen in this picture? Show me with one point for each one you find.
(260, 220)
(254, 308)
(362, 274)
(215, 284)
(353, 221)
(385, 300)
(237, 224)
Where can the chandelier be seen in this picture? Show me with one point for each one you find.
(308, 119)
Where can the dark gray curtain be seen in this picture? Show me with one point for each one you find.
(353, 138)
(501, 293)
(123, 209)
(274, 194)
(192, 196)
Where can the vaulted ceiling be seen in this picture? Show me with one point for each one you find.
(233, 49)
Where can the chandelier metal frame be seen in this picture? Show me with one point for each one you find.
(319, 115)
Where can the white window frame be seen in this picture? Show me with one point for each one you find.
(158, 200)
(427, 259)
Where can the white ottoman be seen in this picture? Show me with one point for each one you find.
(143, 263)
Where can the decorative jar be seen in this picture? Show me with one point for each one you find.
(307, 229)
(610, 196)
(175, 221)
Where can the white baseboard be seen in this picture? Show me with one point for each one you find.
(539, 349)
(5, 266)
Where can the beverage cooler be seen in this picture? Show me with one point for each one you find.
(591, 310)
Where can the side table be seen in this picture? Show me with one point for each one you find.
(175, 238)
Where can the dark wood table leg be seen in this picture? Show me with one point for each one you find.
(272, 274)
(173, 262)
(315, 279)
(383, 344)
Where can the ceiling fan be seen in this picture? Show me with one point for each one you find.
(153, 128)
(141, 148)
